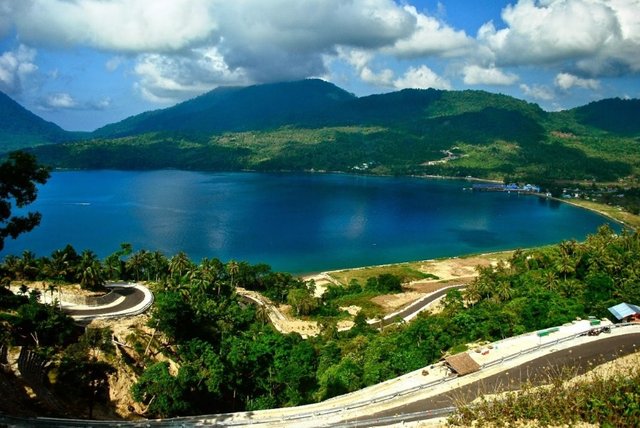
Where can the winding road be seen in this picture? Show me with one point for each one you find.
(416, 307)
(130, 299)
(579, 359)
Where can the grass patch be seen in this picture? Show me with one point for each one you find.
(611, 401)
(406, 271)
(363, 300)
(630, 220)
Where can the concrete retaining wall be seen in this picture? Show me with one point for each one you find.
(105, 299)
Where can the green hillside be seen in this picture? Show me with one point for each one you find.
(314, 125)
(19, 128)
(238, 109)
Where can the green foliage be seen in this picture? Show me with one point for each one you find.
(81, 376)
(228, 359)
(19, 128)
(19, 176)
(41, 325)
(605, 401)
(163, 393)
(313, 125)
(384, 283)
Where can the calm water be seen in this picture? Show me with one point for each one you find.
(294, 222)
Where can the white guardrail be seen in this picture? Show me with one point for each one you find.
(226, 419)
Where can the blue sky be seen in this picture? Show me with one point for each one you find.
(85, 63)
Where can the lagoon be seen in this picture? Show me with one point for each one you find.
(294, 222)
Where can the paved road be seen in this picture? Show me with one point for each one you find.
(135, 297)
(419, 305)
(537, 371)
(579, 356)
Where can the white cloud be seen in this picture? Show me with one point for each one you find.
(596, 36)
(15, 68)
(114, 63)
(476, 75)
(167, 79)
(381, 78)
(539, 92)
(117, 25)
(64, 101)
(60, 100)
(253, 40)
(432, 37)
(421, 77)
(566, 81)
(360, 60)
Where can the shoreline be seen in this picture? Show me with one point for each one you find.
(599, 210)
(485, 254)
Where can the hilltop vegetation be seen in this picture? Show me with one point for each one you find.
(314, 125)
(19, 128)
(211, 352)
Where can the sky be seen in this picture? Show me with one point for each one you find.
(85, 63)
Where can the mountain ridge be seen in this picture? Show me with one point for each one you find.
(21, 128)
(313, 125)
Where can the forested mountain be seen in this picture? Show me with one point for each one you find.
(238, 109)
(612, 115)
(314, 125)
(19, 128)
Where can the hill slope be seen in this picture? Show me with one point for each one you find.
(19, 128)
(314, 125)
(238, 109)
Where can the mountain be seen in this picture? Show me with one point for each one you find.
(238, 109)
(315, 125)
(19, 128)
(614, 115)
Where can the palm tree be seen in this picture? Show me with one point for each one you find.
(159, 265)
(28, 266)
(233, 267)
(503, 290)
(10, 265)
(179, 265)
(137, 264)
(262, 313)
(91, 275)
(58, 266)
(550, 280)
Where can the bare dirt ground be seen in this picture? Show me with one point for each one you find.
(452, 271)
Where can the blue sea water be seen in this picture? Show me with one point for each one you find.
(294, 222)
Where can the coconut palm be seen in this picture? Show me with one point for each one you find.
(90, 273)
(233, 268)
(179, 265)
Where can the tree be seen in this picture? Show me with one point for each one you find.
(179, 264)
(162, 392)
(81, 375)
(302, 301)
(90, 271)
(19, 175)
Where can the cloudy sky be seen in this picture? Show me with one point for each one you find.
(85, 63)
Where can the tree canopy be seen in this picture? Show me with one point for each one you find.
(19, 176)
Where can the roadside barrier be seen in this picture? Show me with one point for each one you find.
(226, 419)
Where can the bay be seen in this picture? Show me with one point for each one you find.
(294, 222)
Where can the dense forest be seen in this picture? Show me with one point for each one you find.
(228, 357)
(315, 125)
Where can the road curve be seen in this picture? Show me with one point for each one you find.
(537, 371)
(596, 350)
(131, 300)
(414, 308)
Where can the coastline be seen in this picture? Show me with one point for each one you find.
(596, 208)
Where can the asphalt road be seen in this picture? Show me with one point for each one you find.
(537, 371)
(417, 306)
(133, 297)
